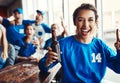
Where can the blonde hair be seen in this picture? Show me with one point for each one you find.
(3, 42)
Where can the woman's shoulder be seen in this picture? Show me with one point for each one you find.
(99, 42)
(68, 38)
(95, 39)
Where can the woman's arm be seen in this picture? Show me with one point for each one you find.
(4, 43)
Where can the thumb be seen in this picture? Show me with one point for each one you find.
(49, 49)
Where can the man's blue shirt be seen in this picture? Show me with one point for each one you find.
(15, 32)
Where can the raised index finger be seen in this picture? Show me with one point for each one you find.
(117, 35)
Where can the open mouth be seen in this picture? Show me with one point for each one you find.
(85, 31)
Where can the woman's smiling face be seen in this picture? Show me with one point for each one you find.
(85, 23)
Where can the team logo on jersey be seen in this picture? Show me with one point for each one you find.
(96, 58)
(21, 31)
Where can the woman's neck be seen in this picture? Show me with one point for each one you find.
(83, 40)
(28, 39)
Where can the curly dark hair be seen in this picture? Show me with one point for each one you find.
(85, 6)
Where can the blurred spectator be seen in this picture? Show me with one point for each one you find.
(59, 36)
(40, 27)
(7, 51)
(16, 30)
(28, 45)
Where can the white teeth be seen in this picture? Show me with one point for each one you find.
(85, 30)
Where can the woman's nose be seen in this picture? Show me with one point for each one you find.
(86, 23)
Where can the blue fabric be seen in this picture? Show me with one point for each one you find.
(26, 49)
(2, 62)
(19, 10)
(24, 22)
(46, 28)
(48, 42)
(85, 63)
(39, 33)
(14, 32)
(42, 65)
(5, 23)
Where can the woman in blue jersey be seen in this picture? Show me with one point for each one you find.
(84, 57)
(28, 44)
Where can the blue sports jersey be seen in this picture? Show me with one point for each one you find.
(49, 41)
(14, 32)
(41, 29)
(46, 28)
(85, 63)
(26, 49)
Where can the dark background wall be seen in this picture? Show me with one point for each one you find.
(3, 11)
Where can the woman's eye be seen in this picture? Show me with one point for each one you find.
(80, 19)
(90, 19)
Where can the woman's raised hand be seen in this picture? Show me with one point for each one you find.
(117, 44)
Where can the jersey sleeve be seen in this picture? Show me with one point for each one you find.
(114, 63)
(46, 28)
(112, 58)
(47, 43)
(42, 66)
(5, 23)
(28, 22)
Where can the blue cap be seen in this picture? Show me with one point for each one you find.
(41, 12)
(19, 10)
